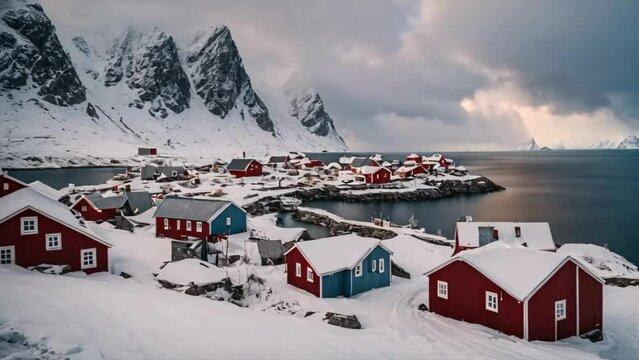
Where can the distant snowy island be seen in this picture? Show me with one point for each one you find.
(630, 142)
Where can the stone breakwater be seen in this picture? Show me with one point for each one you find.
(441, 189)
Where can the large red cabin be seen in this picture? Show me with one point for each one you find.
(94, 207)
(35, 230)
(376, 174)
(531, 294)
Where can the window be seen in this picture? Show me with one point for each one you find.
(84, 208)
(358, 270)
(198, 226)
(560, 309)
(381, 266)
(5, 186)
(174, 173)
(188, 226)
(29, 225)
(491, 301)
(228, 221)
(88, 259)
(517, 231)
(374, 265)
(442, 289)
(309, 275)
(53, 241)
(298, 269)
(166, 224)
(177, 224)
(7, 255)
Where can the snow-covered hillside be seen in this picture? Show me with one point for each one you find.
(67, 100)
(629, 142)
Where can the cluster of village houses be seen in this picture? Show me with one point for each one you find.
(504, 275)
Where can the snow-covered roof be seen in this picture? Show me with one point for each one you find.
(533, 235)
(28, 198)
(196, 209)
(518, 270)
(406, 168)
(332, 254)
(371, 169)
(46, 190)
(377, 157)
(413, 155)
(346, 159)
(360, 162)
(194, 271)
(334, 165)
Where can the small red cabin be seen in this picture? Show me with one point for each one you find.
(408, 171)
(94, 207)
(36, 230)
(9, 184)
(531, 294)
(244, 167)
(313, 164)
(376, 174)
(414, 157)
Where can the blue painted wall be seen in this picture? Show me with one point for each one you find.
(238, 221)
(339, 284)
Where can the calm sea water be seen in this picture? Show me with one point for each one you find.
(59, 178)
(586, 196)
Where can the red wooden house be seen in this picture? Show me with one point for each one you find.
(437, 160)
(531, 294)
(376, 174)
(9, 184)
(414, 157)
(94, 207)
(35, 230)
(533, 235)
(313, 164)
(408, 171)
(244, 167)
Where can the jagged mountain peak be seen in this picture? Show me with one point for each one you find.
(30, 51)
(150, 63)
(308, 108)
(530, 146)
(220, 80)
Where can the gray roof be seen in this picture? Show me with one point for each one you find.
(174, 207)
(140, 200)
(147, 172)
(277, 159)
(360, 161)
(238, 164)
(270, 249)
(111, 202)
(94, 197)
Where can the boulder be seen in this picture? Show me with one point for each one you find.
(345, 321)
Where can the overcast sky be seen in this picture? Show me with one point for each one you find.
(422, 75)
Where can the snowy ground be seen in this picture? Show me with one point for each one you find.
(104, 316)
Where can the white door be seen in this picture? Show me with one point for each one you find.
(7, 254)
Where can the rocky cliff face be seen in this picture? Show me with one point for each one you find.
(630, 142)
(30, 52)
(151, 65)
(220, 79)
(308, 108)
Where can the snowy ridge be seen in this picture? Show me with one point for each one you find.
(138, 89)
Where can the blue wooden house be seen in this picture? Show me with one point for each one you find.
(339, 266)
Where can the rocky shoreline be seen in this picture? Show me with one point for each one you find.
(441, 189)
(340, 228)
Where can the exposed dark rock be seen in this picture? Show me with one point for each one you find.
(594, 335)
(345, 321)
(220, 79)
(339, 228)
(621, 281)
(91, 111)
(398, 271)
(125, 275)
(309, 109)
(32, 49)
(422, 307)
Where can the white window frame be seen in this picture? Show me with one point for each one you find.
(94, 254)
(166, 224)
(84, 208)
(381, 266)
(442, 289)
(177, 224)
(12, 252)
(490, 295)
(358, 270)
(560, 304)
(47, 241)
(298, 269)
(374, 265)
(23, 220)
(198, 226)
(188, 225)
(5, 186)
(309, 274)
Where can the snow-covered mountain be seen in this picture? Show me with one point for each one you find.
(530, 146)
(67, 100)
(629, 142)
